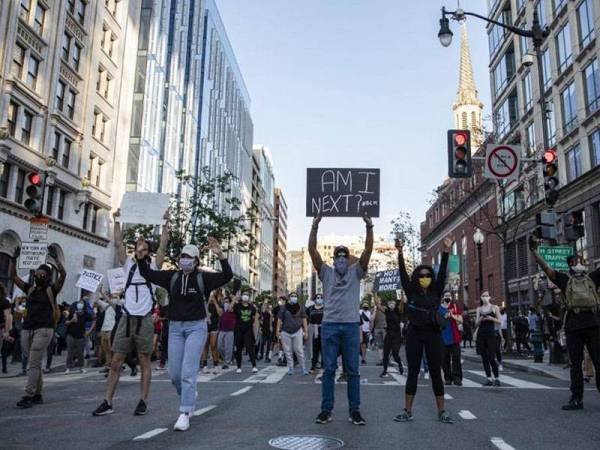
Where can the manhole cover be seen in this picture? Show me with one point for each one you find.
(294, 442)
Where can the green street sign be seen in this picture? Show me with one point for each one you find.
(556, 257)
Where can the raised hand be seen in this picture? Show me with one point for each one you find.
(399, 243)
(214, 246)
(447, 244)
(316, 221)
(533, 243)
(367, 219)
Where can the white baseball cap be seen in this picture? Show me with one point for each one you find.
(190, 250)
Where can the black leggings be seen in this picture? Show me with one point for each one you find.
(244, 337)
(418, 339)
(391, 344)
(487, 344)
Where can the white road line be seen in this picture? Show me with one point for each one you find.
(499, 443)
(241, 391)
(515, 381)
(470, 384)
(400, 379)
(149, 434)
(201, 411)
(268, 375)
(448, 397)
(467, 415)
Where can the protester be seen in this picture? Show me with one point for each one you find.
(581, 321)
(277, 346)
(536, 335)
(188, 288)
(341, 318)
(452, 365)
(488, 315)
(76, 334)
(424, 330)
(292, 329)
(365, 328)
(504, 329)
(164, 335)
(134, 329)
(38, 324)
(214, 312)
(393, 334)
(378, 326)
(315, 319)
(521, 326)
(266, 332)
(108, 304)
(6, 320)
(467, 335)
(245, 318)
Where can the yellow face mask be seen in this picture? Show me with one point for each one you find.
(425, 282)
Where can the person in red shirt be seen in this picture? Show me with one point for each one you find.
(451, 336)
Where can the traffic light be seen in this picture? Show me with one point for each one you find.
(34, 192)
(574, 227)
(546, 226)
(550, 176)
(459, 154)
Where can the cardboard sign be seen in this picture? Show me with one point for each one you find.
(342, 192)
(89, 280)
(556, 257)
(144, 208)
(388, 280)
(33, 255)
(116, 279)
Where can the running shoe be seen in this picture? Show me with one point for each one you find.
(305, 372)
(444, 417)
(290, 371)
(183, 423)
(254, 370)
(426, 375)
(488, 383)
(141, 409)
(356, 418)
(573, 405)
(238, 370)
(404, 416)
(342, 378)
(458, 382)
(384, 374)
(323, 417)
(37, 399)
(225, 367)
(497, 382)
(25, 402)
(268, 360)
(103, 409)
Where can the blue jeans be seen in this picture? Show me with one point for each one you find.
(186, 342)
(344, 337)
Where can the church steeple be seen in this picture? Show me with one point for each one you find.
(468, 109)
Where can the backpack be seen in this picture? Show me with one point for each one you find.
(52, 300)
(581, 294)
(129, 283)
(200, 281)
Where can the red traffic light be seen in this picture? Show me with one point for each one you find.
(35, 179)
(549, 156)
(460, 139)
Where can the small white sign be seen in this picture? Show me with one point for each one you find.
(502, 162)
(116, 279)
(144, 208)
(33, 254)
(38, 231)
(89, 280)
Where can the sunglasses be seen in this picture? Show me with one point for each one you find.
(424, 275)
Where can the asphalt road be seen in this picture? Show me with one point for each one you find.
(246, 411)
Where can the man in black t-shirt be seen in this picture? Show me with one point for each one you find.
(582, 325)
(245, 316)
(78, 316)
(38, 326)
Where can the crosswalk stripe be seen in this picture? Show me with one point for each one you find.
(201, 411)
(149, 434)
(514, 381)
(268, 375)
(241, 391)
(499, 443)
(400, 379)
(448, 397)
(470, 384)
(467, 415)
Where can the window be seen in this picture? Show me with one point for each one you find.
(4, 179)
(573, 163)
(94, 213)
(530, 139)
(20, 187)
(594, 140)
(111, 5)
(26, 127)
(557, 6)
(50, 200)
(546, 69)
(66, 45)
(108, 41)
(71, 6)
(585, 23)
(61, 204)
(18, 61)
(591, 79)
(504, 71)
(71, 104)
(39, 19)
(13, 112)
(76, 56)
(541, 13)
(506, 115)
(66, 155)
(564, 55)
(86, 214)
(60, 95)
(98, 174)
(81, 5)
(569, 107)
(25, 10)
(527, 92)
(56, 146)
(497, 33)
(551, 123)
(32, 71)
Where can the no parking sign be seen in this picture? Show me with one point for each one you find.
(502, 162)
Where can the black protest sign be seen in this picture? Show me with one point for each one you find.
(342, 192)
(388, 280)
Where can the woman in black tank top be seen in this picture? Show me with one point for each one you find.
(488, 316)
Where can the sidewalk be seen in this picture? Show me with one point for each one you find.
(525, 365)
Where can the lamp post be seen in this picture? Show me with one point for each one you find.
(479, 239)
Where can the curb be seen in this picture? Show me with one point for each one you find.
(518, 367)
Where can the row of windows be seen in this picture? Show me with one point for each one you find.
(25, 65)
(574, 156)
(33, 13)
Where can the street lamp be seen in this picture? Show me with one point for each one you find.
(445, 34)
(479, 239)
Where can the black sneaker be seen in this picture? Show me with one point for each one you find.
(323, 417)
(444, 417)
(404, 416)
(363, 362)
(141, 409)
(25, 402)
(225, 367)
(384, 374)
(458, 382)
(488, 383)
(134, 372)
(497, 382)
(268, 360)
(37, 399)
(356, 418)
(103, 409)
(573, 405)
(342, 378)
(401, 370)
(448, 382)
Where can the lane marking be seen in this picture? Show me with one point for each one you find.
(241, 391)
(522, 384)
(400, 379)
(469, 383)
(201, 411)
(499, 443)
(467, 415)
(149, 434)
(268, 375)
(448, 397)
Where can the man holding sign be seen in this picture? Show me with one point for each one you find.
(340, 329)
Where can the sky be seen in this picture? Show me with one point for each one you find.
(353, 83)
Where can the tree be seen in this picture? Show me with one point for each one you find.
(403, 227)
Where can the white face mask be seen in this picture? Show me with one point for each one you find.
(225, 307)
(579, 268)
(293, 300)
(245, 298)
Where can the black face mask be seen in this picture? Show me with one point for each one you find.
(40, 281)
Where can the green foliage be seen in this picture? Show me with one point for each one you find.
(403, 227)
(265, 296)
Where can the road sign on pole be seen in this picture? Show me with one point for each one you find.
(556, 257)
(38, 228)
(502, 162)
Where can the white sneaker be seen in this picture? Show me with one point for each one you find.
(205, 369)
(67, 371)
(427, 375)
(183, 423)
(500, 368)
(238, 370)
(254, 370)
